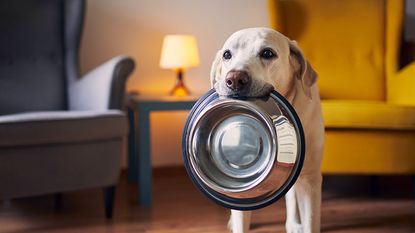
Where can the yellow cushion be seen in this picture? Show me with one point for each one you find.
(369, 152)
(344, 42)
(395, 12)
(401, 87)
(367, 115)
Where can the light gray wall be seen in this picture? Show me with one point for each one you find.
(136, 28)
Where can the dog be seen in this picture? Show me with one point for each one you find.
(252, 63)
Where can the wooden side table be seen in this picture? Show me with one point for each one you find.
(139, 155)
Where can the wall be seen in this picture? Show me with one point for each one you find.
(136, 28)
(410, 21)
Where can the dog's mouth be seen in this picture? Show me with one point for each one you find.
(265, 90)
(238, 94)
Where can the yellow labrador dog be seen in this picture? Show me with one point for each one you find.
(251, 63)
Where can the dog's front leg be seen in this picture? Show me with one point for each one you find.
(308, 193)
(239, 221)
(293, 222)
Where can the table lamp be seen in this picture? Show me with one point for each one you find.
(179, 52)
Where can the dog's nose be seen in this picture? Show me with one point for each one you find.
(237, 80)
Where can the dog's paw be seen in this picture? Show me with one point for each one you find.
(292, 227)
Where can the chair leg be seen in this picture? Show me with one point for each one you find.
(109, 195)
(413, 186)
(58, 201)
(374, 186)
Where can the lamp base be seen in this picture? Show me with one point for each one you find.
(179, 89)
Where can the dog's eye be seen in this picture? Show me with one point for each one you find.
(267, 54)
(227, 55)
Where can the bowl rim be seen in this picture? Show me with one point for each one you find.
(231, 203)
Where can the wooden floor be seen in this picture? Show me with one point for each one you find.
(179, 207)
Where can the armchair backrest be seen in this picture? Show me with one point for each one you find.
(353, 45)
(39, 41)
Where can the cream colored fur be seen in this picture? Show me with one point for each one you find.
(291, 75)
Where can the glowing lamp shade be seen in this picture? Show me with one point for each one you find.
(179, 52)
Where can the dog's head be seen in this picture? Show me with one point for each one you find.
(255, 61)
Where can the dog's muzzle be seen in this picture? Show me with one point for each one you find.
(243, 153)
(238, 81)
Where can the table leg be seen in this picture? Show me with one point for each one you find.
(132, 150)
(144, 158)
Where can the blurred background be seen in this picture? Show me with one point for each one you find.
(137, 28)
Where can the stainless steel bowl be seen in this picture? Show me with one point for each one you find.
(243, 153)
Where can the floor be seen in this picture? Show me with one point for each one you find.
(179, 207)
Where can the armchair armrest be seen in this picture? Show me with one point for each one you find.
(401, 89)
(103, 87)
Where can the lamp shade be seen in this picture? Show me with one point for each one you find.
(178, 52)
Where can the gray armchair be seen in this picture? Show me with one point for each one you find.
(58, 132)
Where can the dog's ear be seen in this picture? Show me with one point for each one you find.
(216, 69)
(302, 69)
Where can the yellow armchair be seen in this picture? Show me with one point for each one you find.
(368, 105)
(402, 88)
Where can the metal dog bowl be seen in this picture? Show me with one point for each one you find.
(243, 153)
